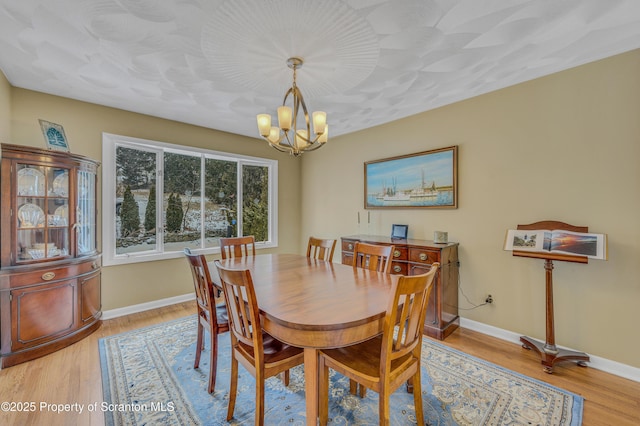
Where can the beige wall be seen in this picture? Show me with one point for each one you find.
(84, 123)
(564, 147)
(5, 109)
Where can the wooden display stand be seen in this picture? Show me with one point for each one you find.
(548, 351)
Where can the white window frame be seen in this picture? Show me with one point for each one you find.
(110, 143)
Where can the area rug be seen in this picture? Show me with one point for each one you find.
(148, 379)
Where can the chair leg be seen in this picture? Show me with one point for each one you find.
(383, 407)
(233, 388)
(285, 377)
(353, 387)
(199, 344)
(259, 421)
(323, 392)
(213, 362)
(410, 385)
(417, 397)
(363, 391)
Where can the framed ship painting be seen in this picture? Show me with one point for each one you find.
(427, 179)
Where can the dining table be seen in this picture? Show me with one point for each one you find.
(314, 304)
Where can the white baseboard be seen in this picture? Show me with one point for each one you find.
(612, 367)
(118, 312)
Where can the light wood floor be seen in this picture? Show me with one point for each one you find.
(72, 376)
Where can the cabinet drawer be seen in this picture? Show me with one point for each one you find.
(347, 258)
(348, 245)
(419, 269)
(400, 253)
(44, 275)
(423, 256)
(399, 268)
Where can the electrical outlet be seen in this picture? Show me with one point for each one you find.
(489, 299)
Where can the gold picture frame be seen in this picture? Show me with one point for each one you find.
(427, 179)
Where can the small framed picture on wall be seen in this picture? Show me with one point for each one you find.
(54, 136)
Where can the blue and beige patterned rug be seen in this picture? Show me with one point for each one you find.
(148, 378)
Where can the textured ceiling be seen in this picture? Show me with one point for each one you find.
(217, 63)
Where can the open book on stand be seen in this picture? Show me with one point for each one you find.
(593, 246)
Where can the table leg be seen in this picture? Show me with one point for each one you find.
(311, 385)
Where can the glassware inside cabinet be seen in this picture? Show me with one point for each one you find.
(59, 186)
(31, 181)
(86, 213)
(42, 213)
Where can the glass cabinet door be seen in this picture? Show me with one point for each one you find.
(42, 212)
(86, 213)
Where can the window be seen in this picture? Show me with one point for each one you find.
(159, 198)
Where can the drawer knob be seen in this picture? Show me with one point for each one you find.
(350, 246)
(397, 268)
(396, 253)
(94, 265)
(48, 276)
(423, 256)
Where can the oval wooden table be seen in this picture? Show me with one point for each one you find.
(314, 304)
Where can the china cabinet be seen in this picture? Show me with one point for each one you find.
(413, 257)
(49, 260)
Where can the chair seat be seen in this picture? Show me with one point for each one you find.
(365, 358)
(274, 350)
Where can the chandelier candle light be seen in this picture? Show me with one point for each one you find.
(287, 137)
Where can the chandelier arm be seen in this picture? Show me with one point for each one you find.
(280, 147)
(312, 147)
(299, 99)
(286, 136)
(286, 95)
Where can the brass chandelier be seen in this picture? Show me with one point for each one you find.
(286, 137)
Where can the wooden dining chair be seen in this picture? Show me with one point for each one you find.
(211, 317)
(376, 258)
(386, 361)
(237, 246)
(373, 257)
(260, 354)
(322, 249)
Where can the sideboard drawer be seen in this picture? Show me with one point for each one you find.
(348, 245)
(347, 258)
(399, 268)
(400, 253)
(423, 256)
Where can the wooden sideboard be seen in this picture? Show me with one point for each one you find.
(412, 257)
